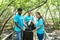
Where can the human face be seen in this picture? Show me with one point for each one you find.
(37, 15)
(19, 12)
(29, 13)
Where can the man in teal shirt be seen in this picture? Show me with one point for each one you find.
(19, 23)
(29, 18)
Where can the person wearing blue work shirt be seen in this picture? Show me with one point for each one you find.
(39, 26)
(19, 23)
(29, 18)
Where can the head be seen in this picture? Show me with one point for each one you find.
(29, 13)
(38, 15)
(19, 11)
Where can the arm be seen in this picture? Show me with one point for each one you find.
(40, 25)
(25, 24)
(18, 26)
(38, 28)
(33, 20)
(16, 20)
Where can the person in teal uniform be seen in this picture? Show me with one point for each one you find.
(39, 26)
(19, 23)
(29, 18)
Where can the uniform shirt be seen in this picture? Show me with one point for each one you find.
(28, 18)
(20, 20)
(38, 23)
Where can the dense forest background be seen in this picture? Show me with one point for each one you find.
(49, 9)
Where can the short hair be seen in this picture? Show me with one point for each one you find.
(19, 9)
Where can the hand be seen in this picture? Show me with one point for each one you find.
(23, 29)
(33, 22)
(34, 30)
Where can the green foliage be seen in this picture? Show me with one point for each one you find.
(30, 4)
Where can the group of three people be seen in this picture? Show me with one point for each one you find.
(19, 24)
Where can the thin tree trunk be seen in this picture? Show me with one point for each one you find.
(52, 18)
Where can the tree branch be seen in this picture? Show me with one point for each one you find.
(36, 7)
(6, 7)
(5, 24)
(23, 15)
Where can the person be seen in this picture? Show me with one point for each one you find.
(29, 18)
(19, 23)
(29, 27)
(39, 26)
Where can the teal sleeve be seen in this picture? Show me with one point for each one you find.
(32, 18)
(41, 22)
(15, 19)
(25, 18)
